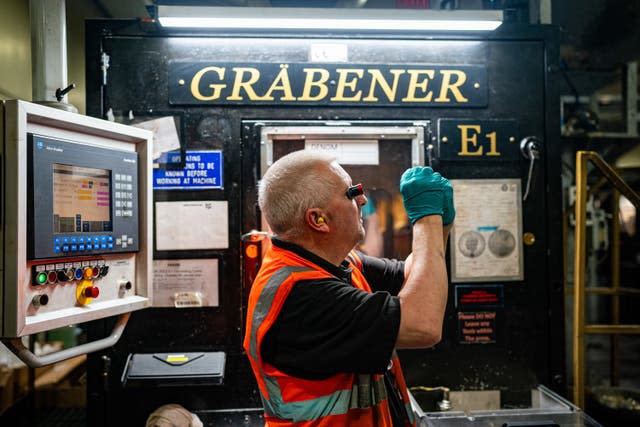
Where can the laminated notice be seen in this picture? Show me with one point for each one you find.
(486, 239)
(185, 283)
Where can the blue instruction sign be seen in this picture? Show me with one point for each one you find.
(202, 170)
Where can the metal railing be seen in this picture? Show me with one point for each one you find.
(579, 291)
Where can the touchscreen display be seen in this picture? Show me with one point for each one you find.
(81, 199)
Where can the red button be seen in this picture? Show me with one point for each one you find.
(91, 292)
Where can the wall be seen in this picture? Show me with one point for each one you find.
(15, 49)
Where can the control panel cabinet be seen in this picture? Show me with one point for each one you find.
(76, 221)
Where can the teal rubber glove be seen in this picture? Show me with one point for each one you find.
(449, 211)
(423, 192)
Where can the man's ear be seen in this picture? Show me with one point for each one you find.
(316, 220)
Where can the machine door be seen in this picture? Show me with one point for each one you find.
(373, 153)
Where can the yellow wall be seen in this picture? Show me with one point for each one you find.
(15, 49)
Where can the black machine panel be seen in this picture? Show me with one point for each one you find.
(525, 344)
(83, 199)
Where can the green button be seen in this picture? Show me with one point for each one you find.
(42, 278)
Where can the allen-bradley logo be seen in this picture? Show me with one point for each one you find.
(129, 160)
(56, 149)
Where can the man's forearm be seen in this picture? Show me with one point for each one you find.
(423, 297)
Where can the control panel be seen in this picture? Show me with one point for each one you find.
(76, 212)
(84, 199)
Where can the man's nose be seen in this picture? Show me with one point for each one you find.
(362, 200)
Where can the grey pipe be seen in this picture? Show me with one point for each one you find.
(49, 52)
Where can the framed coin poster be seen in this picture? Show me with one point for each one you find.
(486, 239)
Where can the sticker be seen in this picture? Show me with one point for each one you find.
(176, 358)
(328, 52)
(187, 299)
(202, 170)
(477, 327)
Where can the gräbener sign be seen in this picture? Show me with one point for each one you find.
(327, 84)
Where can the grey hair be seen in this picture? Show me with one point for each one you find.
(293, 184)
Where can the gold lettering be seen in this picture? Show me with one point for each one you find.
(343, 74)
(414, 84)
(217, 88)
(239, 83)
(453, 87)
(309, 83)
(281, 82)
(465, 139)
(378, 78)
(493, 140)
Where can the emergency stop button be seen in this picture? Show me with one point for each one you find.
(86, 292)
(91, 292)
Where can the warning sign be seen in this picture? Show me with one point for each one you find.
(479, 297)
(202, 170)
(477, 328)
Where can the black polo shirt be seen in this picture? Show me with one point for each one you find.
(328, 326)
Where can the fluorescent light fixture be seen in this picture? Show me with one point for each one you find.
(286, 18)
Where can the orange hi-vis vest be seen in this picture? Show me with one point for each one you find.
(345, 399)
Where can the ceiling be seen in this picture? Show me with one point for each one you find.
(596, 34)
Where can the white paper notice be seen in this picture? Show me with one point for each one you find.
(165, 134)
(360, 152)
(328, 52)
(192, 225)
(486, 237)
(185, 283)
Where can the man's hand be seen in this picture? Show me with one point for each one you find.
(425, 192)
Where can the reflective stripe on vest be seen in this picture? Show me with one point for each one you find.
(265, 300)
(363, 395)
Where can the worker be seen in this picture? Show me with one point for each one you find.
(323, 320)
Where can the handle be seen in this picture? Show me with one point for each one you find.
(430, 155)
(530, 147)
(60, 93)
(33, 361)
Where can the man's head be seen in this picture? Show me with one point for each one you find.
(303, 195)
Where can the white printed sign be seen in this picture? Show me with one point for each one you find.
(347, 152)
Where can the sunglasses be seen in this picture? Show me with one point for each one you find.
(355, 191)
